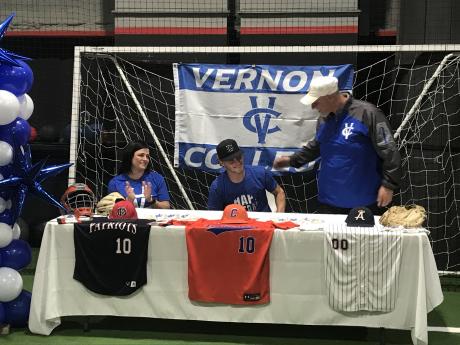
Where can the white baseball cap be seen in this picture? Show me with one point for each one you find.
(320, 86)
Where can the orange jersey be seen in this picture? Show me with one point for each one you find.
(229, 263)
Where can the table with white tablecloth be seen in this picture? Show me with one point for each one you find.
(297, 284)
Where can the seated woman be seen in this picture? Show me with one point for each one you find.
(137, 181)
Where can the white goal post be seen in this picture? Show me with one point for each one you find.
(119, 95)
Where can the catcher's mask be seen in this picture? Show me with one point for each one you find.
(79, 200)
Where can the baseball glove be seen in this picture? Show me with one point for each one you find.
(411, 216)
(105, 205)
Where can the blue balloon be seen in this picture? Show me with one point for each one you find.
(19, 129)
(8, 213)
(6, 194)
(16, 79)
(29, 75)
(16, 255)
(2, 314)
(25, 178)
(5, 133)
(17, 203)
(17, 311)
(6, 170)
(8, 217)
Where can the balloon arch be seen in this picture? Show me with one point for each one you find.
(18, 177)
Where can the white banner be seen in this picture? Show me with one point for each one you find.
(256, 105)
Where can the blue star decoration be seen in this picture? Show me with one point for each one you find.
(27, 178)
(7, 57)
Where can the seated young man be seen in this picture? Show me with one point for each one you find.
(243, 184)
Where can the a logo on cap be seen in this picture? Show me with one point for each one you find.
(122, 211)
(261, 117)
(235, 214)
(229, 148)
(360, 214)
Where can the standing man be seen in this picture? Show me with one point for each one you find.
(242, 184)
(360, 163)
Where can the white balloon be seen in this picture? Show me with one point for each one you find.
(16, 231)
(2, 205)
(6, 153)
(9, 107)
(10, 284)
(6, 235)
(26, 106)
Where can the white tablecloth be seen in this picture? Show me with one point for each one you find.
(298, 291)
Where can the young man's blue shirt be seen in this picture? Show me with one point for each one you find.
(250, 193)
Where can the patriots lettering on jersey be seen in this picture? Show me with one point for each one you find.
(123, 226)
(217, 230)
(246, 200)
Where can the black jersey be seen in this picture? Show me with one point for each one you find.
(111, 255)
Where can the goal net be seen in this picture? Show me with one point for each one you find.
(126, 94)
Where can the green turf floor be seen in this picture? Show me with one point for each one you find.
(132, 331)
(113, 331)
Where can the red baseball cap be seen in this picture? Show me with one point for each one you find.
(123, 209)
(235, 214)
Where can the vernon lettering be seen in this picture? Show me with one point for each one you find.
(252, 79)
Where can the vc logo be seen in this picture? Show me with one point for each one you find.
(347, 130)
(257, 119)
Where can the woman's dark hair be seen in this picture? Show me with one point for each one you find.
(128, 154)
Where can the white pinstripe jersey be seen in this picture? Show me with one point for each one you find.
(362, 267)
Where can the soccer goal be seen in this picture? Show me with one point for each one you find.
(123, 94)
